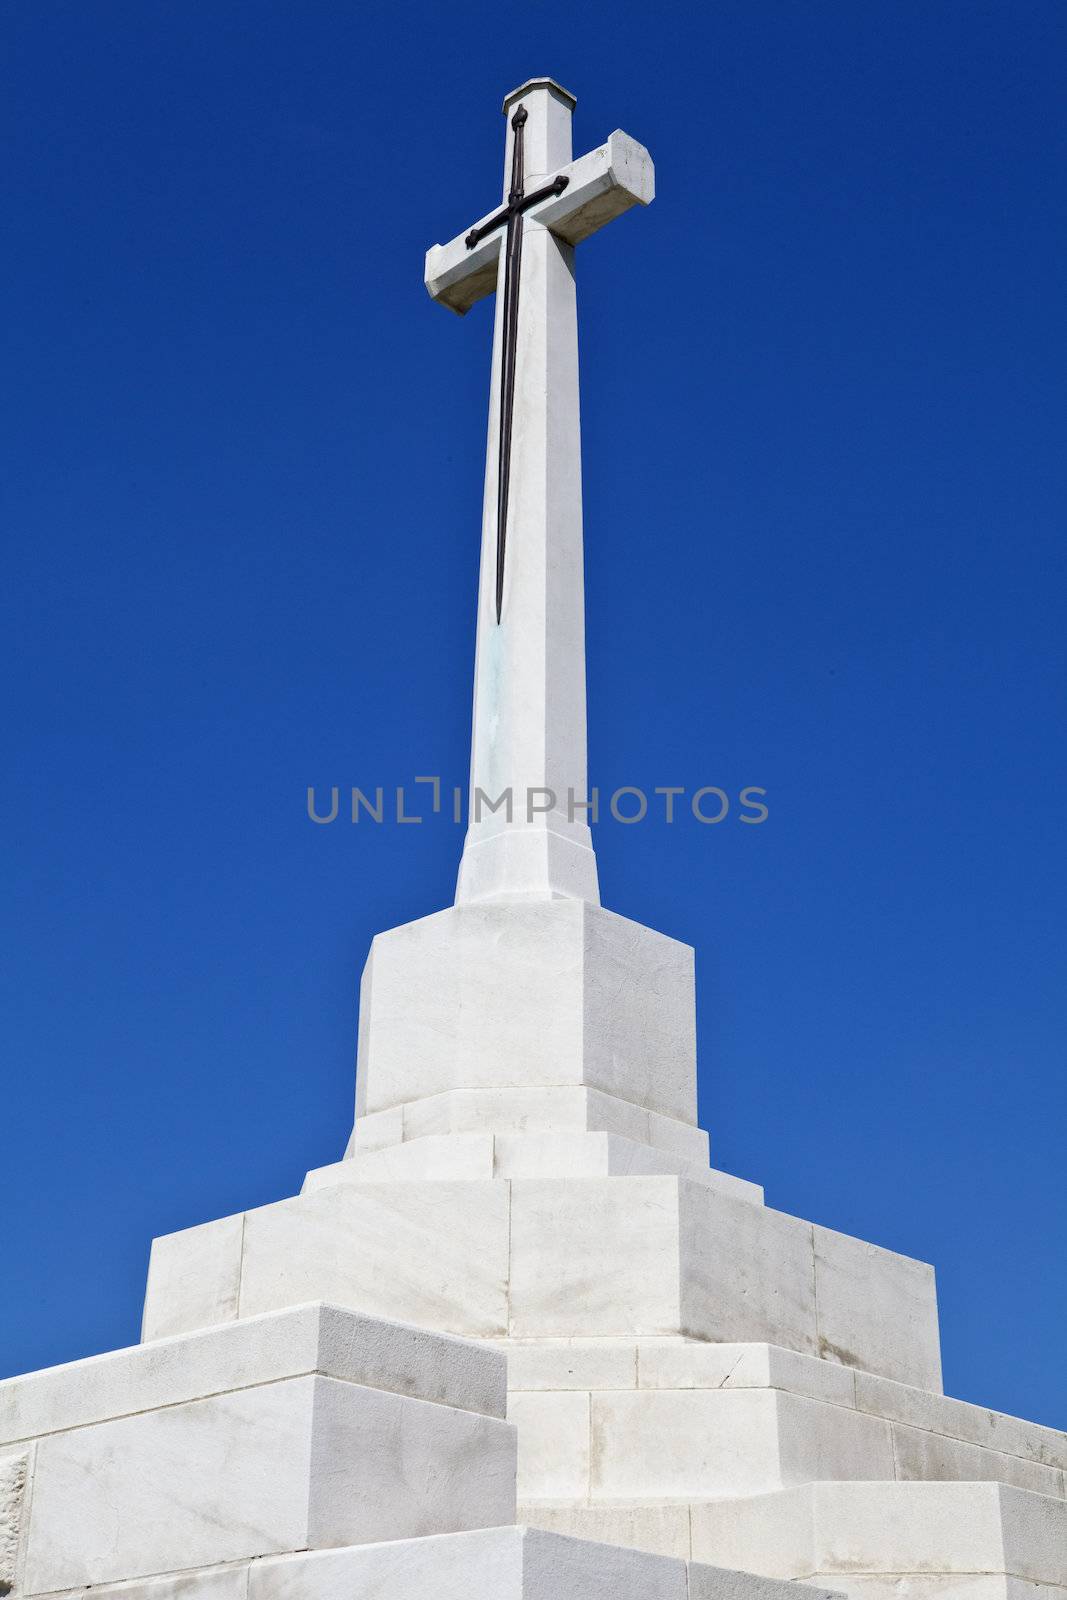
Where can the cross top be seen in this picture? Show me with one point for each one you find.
(528, 734)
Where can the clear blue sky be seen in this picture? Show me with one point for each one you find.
(824, 467)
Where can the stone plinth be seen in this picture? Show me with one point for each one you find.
(550, 995)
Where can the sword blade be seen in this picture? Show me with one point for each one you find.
(510, 319)
(510, 322)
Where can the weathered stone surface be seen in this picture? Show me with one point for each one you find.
(540, 1258)
(745, 1277)
(308, 1428)
(430, 1253)
(305, 1340)
(14, 1469)
(837, 1531)
(505, 1563)
(657, 1529)
(555, 1430)
(561, 1108)
(194, 1278)
(523, 1155)
(304, 1462)
(679, 1419)
(686, 1444)
(562, 1364)
(874, 1309)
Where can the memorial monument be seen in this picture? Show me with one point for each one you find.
(523, 1340)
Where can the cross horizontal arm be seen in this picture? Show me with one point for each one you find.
(600, 186)
(477, 234)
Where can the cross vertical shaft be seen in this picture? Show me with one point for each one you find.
(529, 720)
(527, 836)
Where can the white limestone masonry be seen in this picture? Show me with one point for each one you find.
(306, 1429)
(523, 1290)
(558, 1258)
(626, 1420)
(509, 1563)
(519, 1109)
(843, 1531)
(543, 995)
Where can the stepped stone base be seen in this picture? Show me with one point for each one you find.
(308, 1428)
(524, 1155)
(870, 1541)
(557, 1108)
(506, 1563)
(658, 1420)
(559, 1258)
(695, 1383)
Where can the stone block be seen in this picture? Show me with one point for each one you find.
(505, 1563)
(658, 1530)
(429, 1253)
(536, 1259)
(691, 1444)
(306, 1429)
(256, 1472)
(817, 1442)
(376, 1131)
(919, 1586)
(438, 1156)
(555, 1433)
(591, 1155)
(748, 1272)
(194, 1278)
(839, 1531)
(679, 1445)
(530, 995)
(306, 1340)
(572, 1364)
(932, 1457)
(693, 1365)
(569, 1275)
(704, 1420)
(878, 1303)
(14, 1471)
(522, 1155)
(514, 1563)
(936, 1413)
(718, 1583)
(563, 1108)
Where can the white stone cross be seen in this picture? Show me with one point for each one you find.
(528, 744)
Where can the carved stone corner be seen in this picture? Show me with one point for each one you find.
(14, 1471)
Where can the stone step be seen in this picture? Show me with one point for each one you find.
(502, 1563)
(301, 1430)
(870, 1541)
(665, 1420)
(523, 1155)
(559, 1258)
(546, 1108)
